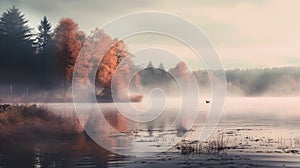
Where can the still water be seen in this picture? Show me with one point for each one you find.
(268, 117)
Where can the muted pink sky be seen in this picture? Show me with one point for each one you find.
(246, 33)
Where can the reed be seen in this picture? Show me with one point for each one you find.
(212, 146)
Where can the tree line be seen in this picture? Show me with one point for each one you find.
(41, 66)
(276, 81)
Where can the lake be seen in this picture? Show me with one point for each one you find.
(256, 130)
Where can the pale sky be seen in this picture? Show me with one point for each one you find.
(245, 33)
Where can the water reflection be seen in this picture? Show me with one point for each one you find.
(76, 152)
(60, 151)
(121, 135)
(81, 150)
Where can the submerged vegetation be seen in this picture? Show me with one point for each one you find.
(239, 140)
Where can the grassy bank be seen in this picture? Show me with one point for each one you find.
(27, 122)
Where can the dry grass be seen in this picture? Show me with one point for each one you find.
(213, 146)
(21, 122)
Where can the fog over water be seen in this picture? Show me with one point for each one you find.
(257, 109)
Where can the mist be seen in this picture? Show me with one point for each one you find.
(276, 81)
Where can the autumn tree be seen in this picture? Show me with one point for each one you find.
(95, 46)
(180, 70)
(68, 41)
(108, 65)
(126, 82)
(181, 73)
(103, 56)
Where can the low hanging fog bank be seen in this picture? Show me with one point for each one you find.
(284, 110)
(277, 81)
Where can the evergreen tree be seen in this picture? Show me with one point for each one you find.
(150, 65)
(161, 66)
(16, 50)
(44, 36)
(45, 50)
(14, 33)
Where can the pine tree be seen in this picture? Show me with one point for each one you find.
(16, 50)
(161, 66)
(150, 65)
(45, 51)
(44, 36)
(14, 33)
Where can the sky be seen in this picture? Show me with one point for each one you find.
(245, 33)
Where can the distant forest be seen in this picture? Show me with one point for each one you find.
(276, 81)
(39, 67)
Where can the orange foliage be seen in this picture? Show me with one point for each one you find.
(68, 40)
(181, 72)
(109, 64)
(113, 56)
(94, 48)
